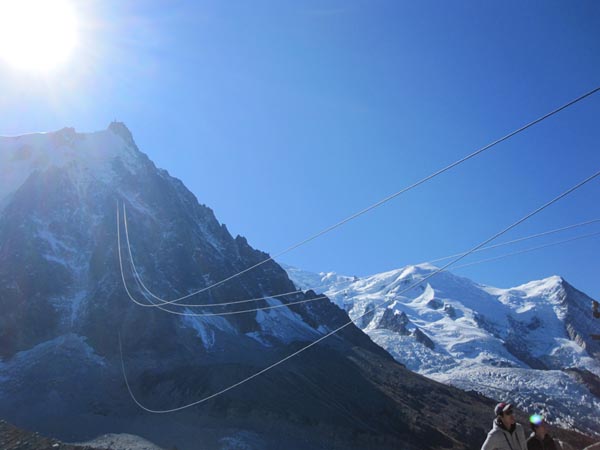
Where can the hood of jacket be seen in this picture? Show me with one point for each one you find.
(499, 426)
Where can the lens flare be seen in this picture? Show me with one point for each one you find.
(37, 34)
(536, 419)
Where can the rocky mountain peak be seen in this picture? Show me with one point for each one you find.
(395, 321)
(86, 155)
(64, 304)
(120, 129)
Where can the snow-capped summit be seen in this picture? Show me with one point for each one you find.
(87, 154)
(531, 343)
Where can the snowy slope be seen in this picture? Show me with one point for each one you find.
(513, 344)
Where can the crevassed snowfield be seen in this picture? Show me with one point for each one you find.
(508, 344)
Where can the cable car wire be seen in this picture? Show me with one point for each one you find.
(338, 329)
(396, 194)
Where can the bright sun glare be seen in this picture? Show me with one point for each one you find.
(37, 35)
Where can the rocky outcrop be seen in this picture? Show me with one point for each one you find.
(580, 323)
(394, 321)
(423, 338)
(13, 438)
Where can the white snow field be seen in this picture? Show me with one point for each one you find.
(519, 344)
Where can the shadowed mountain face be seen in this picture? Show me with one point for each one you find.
(64, 305)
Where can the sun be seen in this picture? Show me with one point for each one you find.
(37, 35)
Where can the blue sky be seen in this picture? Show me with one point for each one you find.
(286, 117)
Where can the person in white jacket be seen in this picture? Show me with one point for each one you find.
(506, 433)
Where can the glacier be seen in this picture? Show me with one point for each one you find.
(528, 344)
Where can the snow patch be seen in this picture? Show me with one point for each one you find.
(120, 442)
(283, 324)
(205, 327)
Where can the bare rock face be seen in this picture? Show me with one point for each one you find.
(423, 339)
(394, 321)
(579, 321)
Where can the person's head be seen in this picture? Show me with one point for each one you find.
(538, 425)
(504, 413)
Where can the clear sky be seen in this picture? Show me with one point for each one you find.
(287, 116)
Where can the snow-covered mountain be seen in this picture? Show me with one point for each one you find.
(64, 305)
(530, 344)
